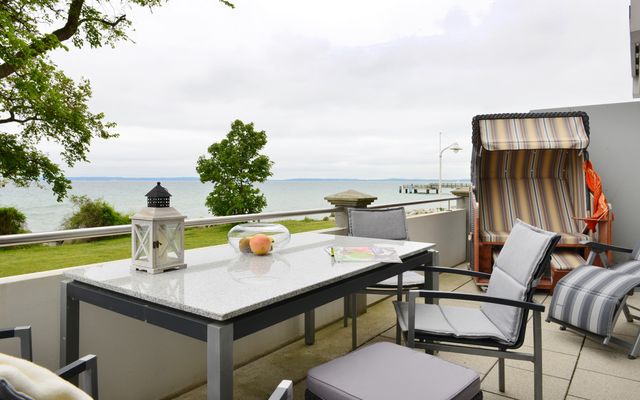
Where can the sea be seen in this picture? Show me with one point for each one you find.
(44, 213)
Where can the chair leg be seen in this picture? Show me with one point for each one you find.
(501, 375)
(354, 318)
(345, 317)
(627, 313)
(635, 350)
(537, 354)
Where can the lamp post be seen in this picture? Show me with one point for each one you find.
(455, 147)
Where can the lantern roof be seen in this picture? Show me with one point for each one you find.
(158, 191)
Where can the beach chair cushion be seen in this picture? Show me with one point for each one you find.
(389, 371)
(387, 223)
(564, 260)
(514, 271)
(543, 188)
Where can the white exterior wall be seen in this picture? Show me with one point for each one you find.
(615, 140)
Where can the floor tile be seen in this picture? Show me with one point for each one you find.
(555, 364)
(519, 384)
(594, 386)
(607, 359)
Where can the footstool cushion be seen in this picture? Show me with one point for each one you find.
(389, 371)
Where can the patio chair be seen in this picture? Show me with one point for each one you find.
(366, 374)
(11, 366)
(388, 223)
(498, 326)
(530, 167)
(284, 391)
(590, 299)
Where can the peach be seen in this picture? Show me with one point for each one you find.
(260, 244)
(243, 245)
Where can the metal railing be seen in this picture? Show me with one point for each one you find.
(90, 233)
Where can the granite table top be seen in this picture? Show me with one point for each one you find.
(220, 284)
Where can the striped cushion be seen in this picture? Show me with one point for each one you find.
(501, 237)
(589, 297)
(543, 188)
(566, 260)
(629, 267)
(533, 133)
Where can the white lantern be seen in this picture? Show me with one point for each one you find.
(157, 234)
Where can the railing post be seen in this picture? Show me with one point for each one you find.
(463, 203)
(348, 199)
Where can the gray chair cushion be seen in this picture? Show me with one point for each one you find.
(387, 371)
(461, 322)
(513, 275)
(8, 392)
(628, 267)
(390, 223)
(409, 278)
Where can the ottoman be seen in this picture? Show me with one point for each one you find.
(389, 371)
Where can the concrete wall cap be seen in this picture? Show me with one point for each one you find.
(351, 198)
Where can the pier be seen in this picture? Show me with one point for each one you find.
(427, 188)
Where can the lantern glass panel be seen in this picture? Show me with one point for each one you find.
(142, 242)
(170, 238)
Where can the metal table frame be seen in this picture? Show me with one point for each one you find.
(219, 335)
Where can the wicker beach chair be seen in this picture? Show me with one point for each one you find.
(530, 167)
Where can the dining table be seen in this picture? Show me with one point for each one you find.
(224, 295)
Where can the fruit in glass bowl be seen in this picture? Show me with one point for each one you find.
(258, 238)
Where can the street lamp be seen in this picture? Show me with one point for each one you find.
(455, 147)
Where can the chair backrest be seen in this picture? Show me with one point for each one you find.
(388, 223)
(516, 273)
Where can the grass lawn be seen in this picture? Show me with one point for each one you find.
(23, 260)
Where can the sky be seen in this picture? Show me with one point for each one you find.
(344, 89)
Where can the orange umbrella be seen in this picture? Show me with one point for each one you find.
(600, 205)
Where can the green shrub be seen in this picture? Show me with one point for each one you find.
(11, 221)
(91, 213)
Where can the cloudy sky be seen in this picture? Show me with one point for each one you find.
(344, 89)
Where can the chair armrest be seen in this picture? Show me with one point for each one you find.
(434, 294)
(601, 247)
(24, 334)
(446, 270)
(87, 364)
(284, 391)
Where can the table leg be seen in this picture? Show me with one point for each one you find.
(432, 279)
(310, 327)
(399, 299)
(353, 302)
(69, 326)
(219, 362)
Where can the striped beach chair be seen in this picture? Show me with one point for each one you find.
(529, 167)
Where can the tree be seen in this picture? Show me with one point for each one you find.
(233, 166)
(38, 102)
(91, 213)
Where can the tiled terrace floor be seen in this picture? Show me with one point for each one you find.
(574, 367)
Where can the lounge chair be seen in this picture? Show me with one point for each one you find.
(498, 327)
(590, 299)
(20, 378)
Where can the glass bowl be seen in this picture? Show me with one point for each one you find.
(240, 237)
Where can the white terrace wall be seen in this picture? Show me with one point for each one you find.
(140, 361)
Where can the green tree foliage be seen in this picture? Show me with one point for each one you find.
(38, 102)
(91, 213)
(12, 221)
(233, 166)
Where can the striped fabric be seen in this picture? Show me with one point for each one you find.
(566, 260)
(544, 188)
(588, 298)
(533, 133)
(628, 267)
